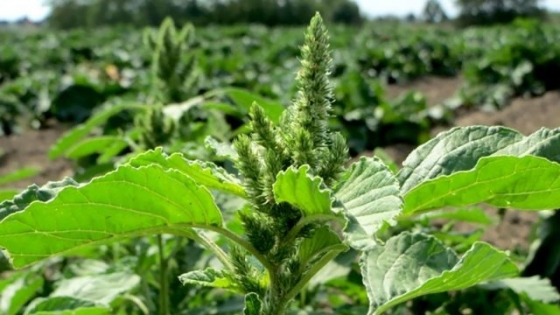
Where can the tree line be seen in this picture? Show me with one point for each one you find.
(66, 14)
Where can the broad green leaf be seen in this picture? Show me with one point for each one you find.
(543, 143)
(455, 150)
(412, 265)
(20, 174)
(253, 304)
(323, 240)
(245, 99)
(15, 295)
(459, 149)
(209, 278)
(470, 215)
(94, 145)
(303, 190)
(71, 138)
(526, 183)
(369, 196)
(65, 305)
(203, 173)
(102, 289)
(535, 288)
(33, 193)
(126, 202)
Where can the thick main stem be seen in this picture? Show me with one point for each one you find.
(275, 303)
(163, 280)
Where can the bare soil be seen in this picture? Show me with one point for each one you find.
(435, 89)
(30, 149)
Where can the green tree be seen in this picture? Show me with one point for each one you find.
(433, 12)
(67, 14)
(346, 12)
(483, 12)
(95, 13)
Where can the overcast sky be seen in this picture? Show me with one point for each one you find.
(36, 10)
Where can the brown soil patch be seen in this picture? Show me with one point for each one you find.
(30, 150)
(435, 89)
(526, 115)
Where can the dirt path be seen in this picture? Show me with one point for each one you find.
(524, 115)
(435, 89)
(30, 150)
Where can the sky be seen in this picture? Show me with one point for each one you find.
(37, 10)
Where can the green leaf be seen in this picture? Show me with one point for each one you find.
(540, 308)
(65, 305)
(111, 151)
(369, 196)
(412, 265)
(126, 202)
(543, 143)
(17, 175)
(15, 295)
(208, 278)
(303, 190)
(33, 193)
(469, 215)
(526, 183)
(71, 138)
(534, 288)
(245, 99)
(323, 240)
(203, 173)
(94, 145)
(458, 149)
(253, 304)
(102, 289)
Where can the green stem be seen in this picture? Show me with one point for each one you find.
(243, 243)
(116, 255)
(303, 222)
(222, 256)
(274, 302)
(312, 272)
(163, 280)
